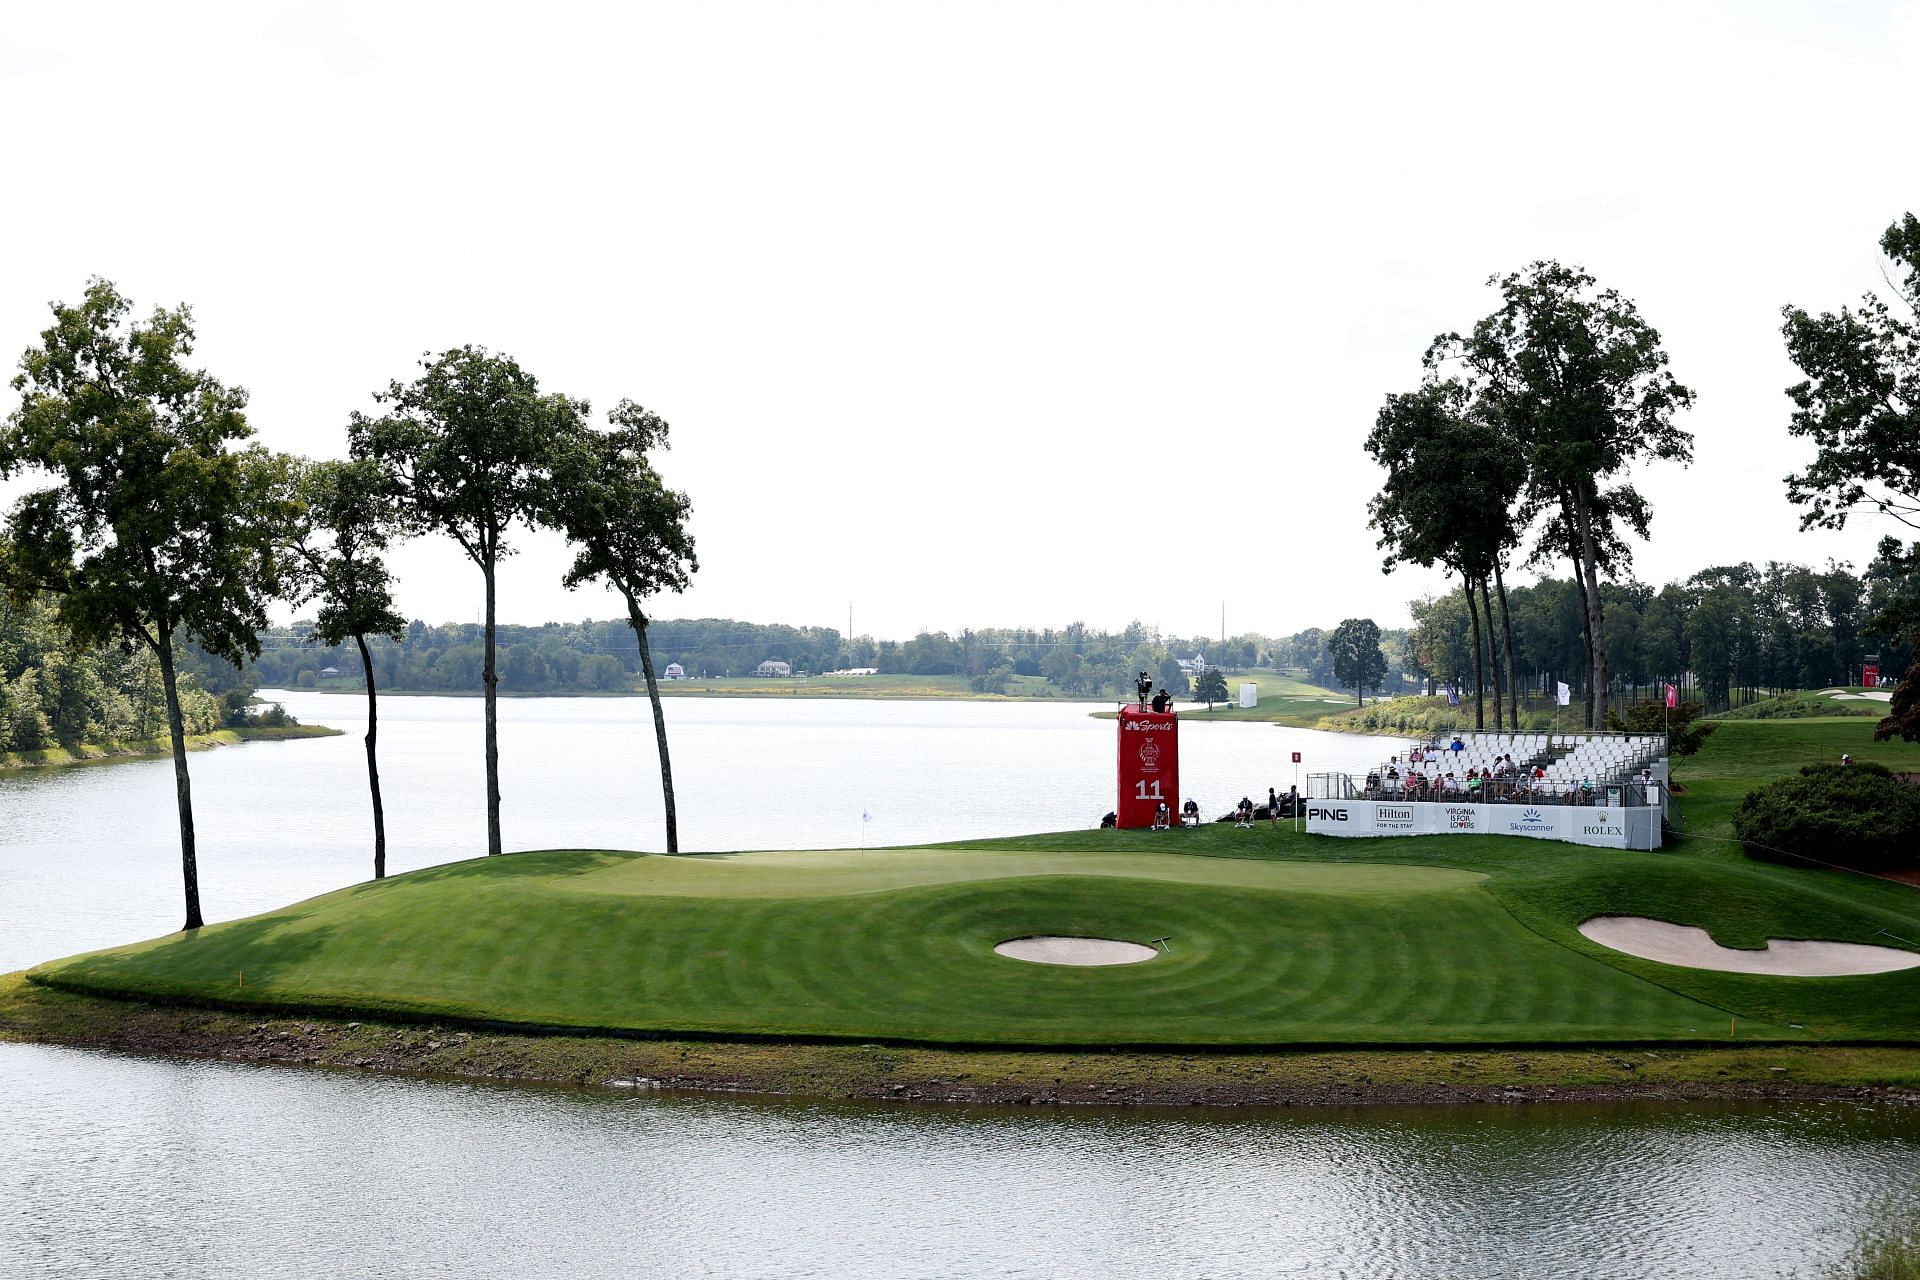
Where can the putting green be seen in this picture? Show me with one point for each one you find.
(898, 944)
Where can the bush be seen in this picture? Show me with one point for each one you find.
(1685, 730)
(1857, 816)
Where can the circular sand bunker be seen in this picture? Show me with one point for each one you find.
(1049, 949)
(1683, 944)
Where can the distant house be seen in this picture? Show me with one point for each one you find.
(773, 667)
(674, 671)
(1194, 666)
(328, 673)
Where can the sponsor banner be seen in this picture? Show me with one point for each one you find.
(1608, 827)
(1149, 771)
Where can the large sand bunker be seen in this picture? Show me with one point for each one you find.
(1050, 949)
(1683, 944)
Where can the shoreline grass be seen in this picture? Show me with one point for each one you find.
(111, 752)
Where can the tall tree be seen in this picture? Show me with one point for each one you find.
(1577, 380)
(348, 514)
(468, 444)
(1451, 481)
(1860, 405)
(1860, 401)
(155, 524)
(629, 531)
(1357, 660)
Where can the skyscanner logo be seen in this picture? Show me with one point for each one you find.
(1530, 822)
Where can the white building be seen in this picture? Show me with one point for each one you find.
(674, 671)
(773, 667)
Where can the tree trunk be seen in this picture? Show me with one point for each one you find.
(639, 624)
(1506, 627)
(182, 785)
(1586, 610)
(373, 764)
(1479, 659)
(1493, 651)
(1596, 618)
(490, 678)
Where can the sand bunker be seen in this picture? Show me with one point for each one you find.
(1048, 949)
(1880, 695)
(1683, 944)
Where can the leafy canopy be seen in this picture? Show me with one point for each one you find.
(467, 443)
(1860, 401)
(1576, 379)
(154, 521)
(1355, 648)
(629, 529)
(348, 513)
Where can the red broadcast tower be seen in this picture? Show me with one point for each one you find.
(1149, 765)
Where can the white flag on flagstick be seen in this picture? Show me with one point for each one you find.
(1566, 694)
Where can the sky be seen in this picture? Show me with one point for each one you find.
(971, 315)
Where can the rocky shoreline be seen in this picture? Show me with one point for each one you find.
(35, 1014)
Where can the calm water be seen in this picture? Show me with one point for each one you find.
(113, 1165)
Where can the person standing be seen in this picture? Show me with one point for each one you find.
(1273, 806)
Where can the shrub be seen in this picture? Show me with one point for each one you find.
(1685, 731)
(1857, 816)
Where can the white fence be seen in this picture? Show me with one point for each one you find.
(1609, 828)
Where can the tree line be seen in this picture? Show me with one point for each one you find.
(157, 524)
(1518, 449)
(1725, 631)
(57, 692)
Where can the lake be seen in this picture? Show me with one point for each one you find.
(128, 1166)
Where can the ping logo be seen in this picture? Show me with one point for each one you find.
(1328, 815)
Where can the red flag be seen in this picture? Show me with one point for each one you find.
(1673, 696)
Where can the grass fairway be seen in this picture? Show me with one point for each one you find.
(1276, 940)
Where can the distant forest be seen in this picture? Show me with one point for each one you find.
(54, 693)
(1721, 634)
(1724, 630)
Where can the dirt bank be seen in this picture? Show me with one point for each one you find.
(30, 1013)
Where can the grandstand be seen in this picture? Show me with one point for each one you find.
(1531, 768)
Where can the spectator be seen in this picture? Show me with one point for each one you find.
(1456, 746)
(1243, 813)
(1162, 817)
(1190, 813)
(1273, 806)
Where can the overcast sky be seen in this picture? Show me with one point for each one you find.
(971, 314)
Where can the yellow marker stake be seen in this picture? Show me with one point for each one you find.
(243, 977)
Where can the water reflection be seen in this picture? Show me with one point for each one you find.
(122, 1166)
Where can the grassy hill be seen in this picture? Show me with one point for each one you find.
(1274, 939)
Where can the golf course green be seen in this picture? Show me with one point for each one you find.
(1267, 939)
